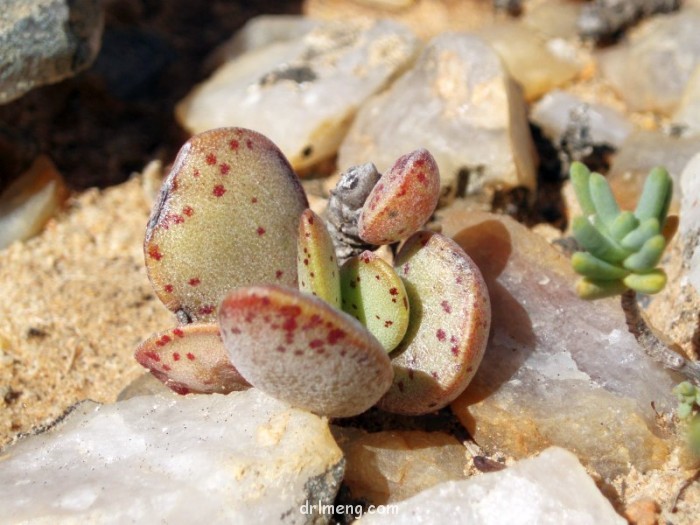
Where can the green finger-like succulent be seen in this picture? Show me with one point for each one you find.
(623, 248)
(375, 295)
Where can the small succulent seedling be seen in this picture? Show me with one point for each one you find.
(298, 348)
(191, 358)
(227, 216)
(448, 329)
(375, 295)
(689, 410)
(623, 248)
(231, 223)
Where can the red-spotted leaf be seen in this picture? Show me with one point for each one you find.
(374, 294)
(317, 268)
(299, 349)
(402, 201)
(227, 216)
(448, 329)
(191, 358)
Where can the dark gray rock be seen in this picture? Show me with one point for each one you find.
(44, 41)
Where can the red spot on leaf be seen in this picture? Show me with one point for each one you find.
(394, 291)
(211, 159)
(179, 388)
(176, 356)
(196, 173)
(440, 334)
(219, 190)
(206, 309)
(178, 332)
(190, 356)
(168, 288)
(387, 324)
(278, 274)
(154, 252)
(446, 307)
(152, 355)
(260, 230)
(234, 144)
(306, 262)
(224, 168)
(254, 200)
(195, 281)
(315, 343)
(166, 368)
(281, 349)
(455, 350)
(187, 210)
(311, 219)
(165, 339)
(249, 144)
(335, 335)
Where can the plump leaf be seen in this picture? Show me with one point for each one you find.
(317, 268)
(374, 294)
(580, 176)
(448, 329)
(590, 289)
(227, 216)
(596, 242)
(299, 349)
(650, 282)
(656, 196)
(191, 358)
(603, 199)
(590, 266)
(648, 256)
(625, 222)
(402, 201)
(635, 239)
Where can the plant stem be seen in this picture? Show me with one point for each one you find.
(652, 345)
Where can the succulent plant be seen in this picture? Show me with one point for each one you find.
(689, 410)
(232, 228)
(623, 248)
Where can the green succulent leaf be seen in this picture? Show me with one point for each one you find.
(625, 222)
(374, 294)
(580, 176)
(648, 256)
(603, 199)
(635, 239)
(590, 289)
(590, 266)
(596, 242)
(656, 196)
(317, 267)
(650, 282)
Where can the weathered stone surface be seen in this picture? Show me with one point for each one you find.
(690, 219)
(30, 201)
(302, 93)
(650, 70)
(552, 488)
(554, 19)
(553, 113)
(44, 41)
(242, 458)
(688, 113)
(642, 151)
(427, 18)
(529, 58)
(558, 370)
(459, 103)
(385, 467)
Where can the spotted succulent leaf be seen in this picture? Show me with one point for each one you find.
(191, 359)
(448, 329)
(375, 295)
(402, 201)
(317, 268)
(299, 349)
(227, 216)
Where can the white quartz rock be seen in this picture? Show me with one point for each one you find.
(552, 113)
(302, 93)
(690, 219)
(551, 489)
(241, 458)
(651, 68)
(458, 102)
